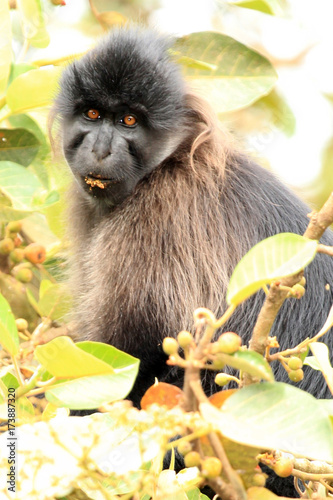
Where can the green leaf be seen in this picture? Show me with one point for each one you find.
(312, 361)
(44, 286)
(26, 122)
(281, 255)
(36, 228)
(63, 359)
(5, 44)
(275, 416)
(279, 111)
(109, 354)
(193, 63)
(33, 302)
(55, 303)
(322, 356)
(250, 362)
(18, 146)
(19, 69)
(10, 381)
(89, 392)
(7, 212)
(241, 76)
(55, 217)
(196, 494)
(18, 184)
(33, 89)
(33, 23)
(318, 190)
(272, 7)
(327, 404)
(3, 396)
(9, 338)
(25, 411)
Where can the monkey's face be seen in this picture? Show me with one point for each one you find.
(122, 108)
(110, 151)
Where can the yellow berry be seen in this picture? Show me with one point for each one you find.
(192, 459)
(6, 246)
(16, 255)
(222, 379)
(211, 467)
(283, 467)
(298, 291)
(170, 346)
(21, 324)
(229, 342)
(184, 339)
(24, 275)
(296, 375)
(14, 226)
(295, 363)
(259, 479)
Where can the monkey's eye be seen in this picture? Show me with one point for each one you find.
(128, 120)
(92, 114)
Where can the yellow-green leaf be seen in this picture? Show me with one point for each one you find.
(63, 359)
(44, 286)
(275, 416)
(238, 75)
(89, 392)
(54, 302)
(33, 89)
(272, 7)
(281, 255)
(5, 45)
(52, 411)
(18, 184)
(18, 145)
(250, 362)
(322, 356)
(25, 410)
(280, 113)
(8, 332)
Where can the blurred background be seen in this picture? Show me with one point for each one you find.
(291, 129)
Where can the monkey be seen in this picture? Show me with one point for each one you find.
(163, 205)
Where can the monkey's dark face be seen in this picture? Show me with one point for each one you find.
(110, 151)
(123, 113)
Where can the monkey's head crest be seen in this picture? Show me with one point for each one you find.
(129, 66)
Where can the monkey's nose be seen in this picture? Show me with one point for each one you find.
(101, 150)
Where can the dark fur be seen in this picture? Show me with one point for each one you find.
(142, 266)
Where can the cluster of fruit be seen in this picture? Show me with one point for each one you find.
(18, 257)
(210, 467)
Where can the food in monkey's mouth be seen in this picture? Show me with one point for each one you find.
(97, 181)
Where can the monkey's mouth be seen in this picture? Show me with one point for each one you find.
(96, 180)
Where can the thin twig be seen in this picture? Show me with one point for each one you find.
(325, 249)
(17, 370)
(231, 474)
